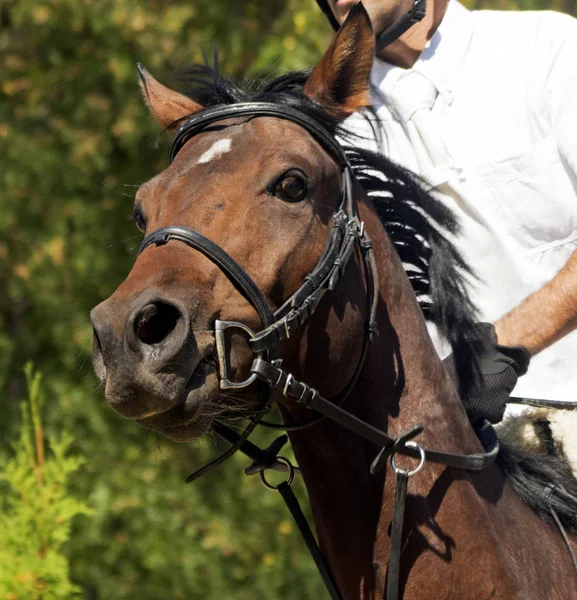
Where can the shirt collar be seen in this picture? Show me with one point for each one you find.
(455, 32)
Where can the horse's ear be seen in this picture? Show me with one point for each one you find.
(166, 106)
(340, 82)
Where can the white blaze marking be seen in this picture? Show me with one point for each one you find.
(216, 150)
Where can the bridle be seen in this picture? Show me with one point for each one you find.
(347, 238)
(347, 234)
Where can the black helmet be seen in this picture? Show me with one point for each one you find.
(397, 29)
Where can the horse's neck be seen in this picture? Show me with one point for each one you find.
(402, 383)
(414, 387)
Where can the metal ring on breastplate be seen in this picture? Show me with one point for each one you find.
(414, 471)
(289, 479)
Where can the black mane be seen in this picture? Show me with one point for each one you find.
(416, 222)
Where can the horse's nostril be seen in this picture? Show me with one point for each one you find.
(155, 322)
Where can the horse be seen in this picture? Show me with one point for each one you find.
(238, 225)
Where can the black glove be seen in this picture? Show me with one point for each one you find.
(499, 369)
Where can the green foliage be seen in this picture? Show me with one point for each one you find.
(37, 509)
(75, 141)
(153, 537)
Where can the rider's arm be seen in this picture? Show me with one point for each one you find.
(544, 317)
(550, 313)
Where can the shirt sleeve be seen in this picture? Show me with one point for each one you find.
(557, 50)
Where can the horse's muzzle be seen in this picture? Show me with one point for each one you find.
(144, 352)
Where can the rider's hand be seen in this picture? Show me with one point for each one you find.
(499, 369)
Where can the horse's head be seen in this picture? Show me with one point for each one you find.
(265, 191)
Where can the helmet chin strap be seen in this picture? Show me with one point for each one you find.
(393, 32)
(399, 27)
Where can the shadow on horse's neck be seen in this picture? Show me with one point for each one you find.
(402, 384)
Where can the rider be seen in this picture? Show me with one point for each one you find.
(482, 105)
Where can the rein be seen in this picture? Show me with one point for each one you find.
(346, 239)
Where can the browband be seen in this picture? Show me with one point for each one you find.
(197, 122)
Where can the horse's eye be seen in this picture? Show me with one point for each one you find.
(139, 220)
(291, 187)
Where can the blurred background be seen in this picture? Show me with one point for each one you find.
(91, 506)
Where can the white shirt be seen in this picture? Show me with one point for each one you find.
(507, 110)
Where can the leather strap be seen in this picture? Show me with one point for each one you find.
(296, 310)
(293, 505)
(240, 442)
(199, 121)
(309, 397)
(393, 572)
(371, 279)
(393, 32)
(235, 273)
(399, 27)
(262, 459)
